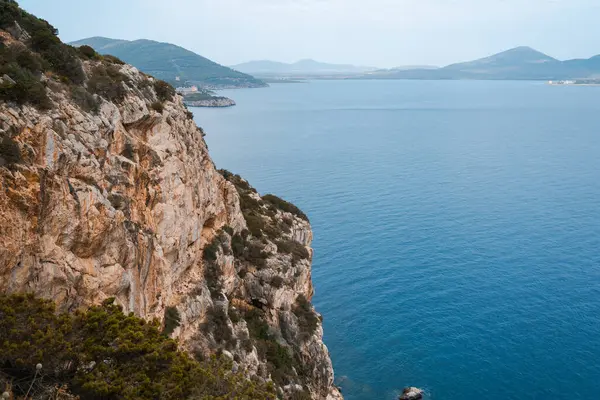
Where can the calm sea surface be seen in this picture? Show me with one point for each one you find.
(457, 227)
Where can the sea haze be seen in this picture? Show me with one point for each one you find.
(457, 227)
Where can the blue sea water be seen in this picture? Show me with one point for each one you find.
(457, 227)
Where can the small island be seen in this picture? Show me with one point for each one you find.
(576, 82)
(194, 97)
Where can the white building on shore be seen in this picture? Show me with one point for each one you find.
(187, 90)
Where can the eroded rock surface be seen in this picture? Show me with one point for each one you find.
(124, 201)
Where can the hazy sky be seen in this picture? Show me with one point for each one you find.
(382, 33)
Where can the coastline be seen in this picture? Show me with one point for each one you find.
(215, 102)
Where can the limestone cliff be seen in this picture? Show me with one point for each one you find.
(121, 199)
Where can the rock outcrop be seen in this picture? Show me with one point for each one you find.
(212, 102)
(411, 393)
(121, 199)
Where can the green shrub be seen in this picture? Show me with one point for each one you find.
(285, 246)
(164, 91)
(85, 100)
(58, 57)
(300, 395)
(307, 318)
(88, 52)
(277, 281)
(128, 151)
(255, 254)
(24, 68)
(238, 245)
(299, 253)
(113, 60)
(286, 224)
(23, 57)
(248, 203)
(297, 250)
(10, 151)
(256, 224)
(228, 229)
(212, 275)
(211, 250)
(26, 89)
(237, 181)
(217, 323)
(108, 81)
(172, 320)
(103, 354)
(158, 107)
(257, 326)
(234, 314)
(280, 357)
(284, 206)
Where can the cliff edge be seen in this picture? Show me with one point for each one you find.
(107, 190)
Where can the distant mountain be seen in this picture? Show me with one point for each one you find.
(519, 57)
(167, 61)
(522, 63)
(407, 67)
(302, 67)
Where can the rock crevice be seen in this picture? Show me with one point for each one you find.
(124, 201)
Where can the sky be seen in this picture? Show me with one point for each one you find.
(380, 33)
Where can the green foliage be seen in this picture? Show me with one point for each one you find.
(202, 95)
(307, 318)
(280, 361)
(10, 151)
(58, 57)
(239, 182)
(113, 60)
(256, 224)
(19, 54)
(108, 81)
(211, 250)
(277, 281)
(263, 220)
(88, 53)
(164, 91)
(103, 354)
(257, 326)
(157, 106)
(172, 320)
(238, 245)
(297, 250)
(85, 100)
(128, 151)
(24, 68)
(278, 357)
(27, 89)
(284, 206)
(228, 229)
(211, 270)
(217, 323)
(254, 254)
(234, 314)
(301, 395)
(167, 61)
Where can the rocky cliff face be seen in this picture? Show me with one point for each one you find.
(121, 199)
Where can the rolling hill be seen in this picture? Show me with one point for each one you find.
(302, 67)
(167, 61)
(520, 63)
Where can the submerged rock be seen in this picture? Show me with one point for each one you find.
(411, 393)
